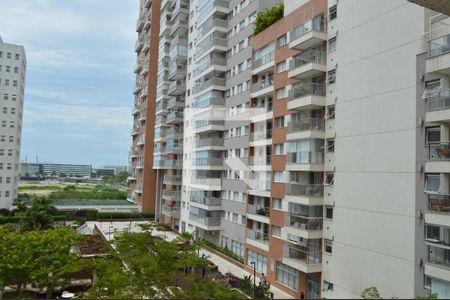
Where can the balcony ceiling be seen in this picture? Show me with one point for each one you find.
(442, 6)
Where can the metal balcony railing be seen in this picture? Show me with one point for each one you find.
(262, 84)
(172, 179)
(261, 135)
(260, 160)
(210, 201)
(258, 210)
(312, 124)
(439, 256)
(304, 190)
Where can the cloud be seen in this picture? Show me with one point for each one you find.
(78, 93)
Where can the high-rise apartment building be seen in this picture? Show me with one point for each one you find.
(143, 176)
(316, 150)
(12, 86)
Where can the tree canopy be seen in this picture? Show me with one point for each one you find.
(268, 17)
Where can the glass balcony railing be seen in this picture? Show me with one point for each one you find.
(258, 235)
(312, 124)
(314, 56)
(209, 142)
(439, 151)
(438, 101)
(260, 160)
(439, 256)
(201, 86)
(439, 46)
(258, 210)
(208, 161)
(439, 203)
(170, 210)
(303, 222)
(262, 84)
(203, 123)
(208, 221)
(209, 201)
(317, 24)
(305, 157)
(265, 59)
(311, 89)
(172, 179)
(304, 190)
(261, 135)
(302, 254)
(208, 62)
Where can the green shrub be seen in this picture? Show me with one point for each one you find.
(10, 219)
(268, 17)
(224, 251)
(91, 215)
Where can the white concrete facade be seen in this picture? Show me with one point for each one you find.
(12, 86)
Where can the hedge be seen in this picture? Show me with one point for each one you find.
(10, 219)
(123, 215)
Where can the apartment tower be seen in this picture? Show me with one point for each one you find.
(170, 100)
(12, 86)
(143, 176)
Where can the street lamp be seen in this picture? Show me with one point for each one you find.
(254, 278)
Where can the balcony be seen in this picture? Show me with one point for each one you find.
(180, 7)
(258, 213)
(135, 131)
(147, 3)
(209, 223)
(300, 190)
(304, 226)
(300, 258)
(161, 108)
(438, 61)
(141, 140)
(209, 25)
(177, 70)
(262, 87)
(132, 153)
(139, 45)
(143, 93)
(138, 67)
(208, 102)
(161, 121)
(179, 24)
(208, 162)
(146, 46)
(307, 96)
(170, 211)
(260, 160)
(207, 201)
(261, 135)
(258, 239)
(148, 22)
(215, 82)
(172, 179)
(175, 117)
(144, 71)
(438, 107)
(206, 183)
(309, 34)
(208, 62)
(164, 27)
(177, 87)
(168, 164)
(439, 256)
(171, 195)
(311, 161)
(211, 43)
(142, 116)
(176, 133)
(208, 125)
(439, 203)
(263, 63)
(210, 142)
(307, 65)
(438, 158)
(260, 187)
(140, 23)
(306, 128)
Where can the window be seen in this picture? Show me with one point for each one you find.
(5, 96)
(432, 183)
(16, 70)
(9, 166)
(13, 111)
(3, 138)
(5, 110)
(332, 77)
(287, 276)
(7, 82)
(17, 56)
(433, 135)
(279, 149)
(278, 176)
(328, 246)
(280, 93)
(329, 212)
(282, 41)
(7, 194)
(277, 204)
(14, 82)
(259, 260)
(327, 286)
(330, 145)
(333, 12)
(276, 231)
(8, 179)
(281, 67)
(279, 122)
(8, 55)
(332, 45)
(8, 69)
(329, 178)
(431, 89)
(433, 233)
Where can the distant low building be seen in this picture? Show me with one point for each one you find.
(48, 169)
(104, 172)
(117, 169)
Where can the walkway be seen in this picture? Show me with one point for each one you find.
(109, 228)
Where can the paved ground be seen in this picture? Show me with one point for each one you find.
(109, 228)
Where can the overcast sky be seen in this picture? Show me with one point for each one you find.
(78, 92)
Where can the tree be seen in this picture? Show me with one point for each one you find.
(268, 17)
(42, 258)
(39, 215)
(371, 293)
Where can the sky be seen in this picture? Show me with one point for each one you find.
(79, 81)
